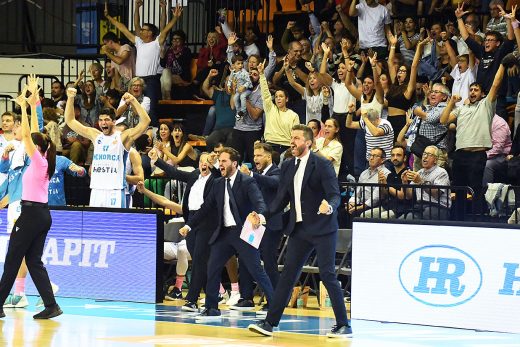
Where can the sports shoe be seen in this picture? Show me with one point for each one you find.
(340, 331)
(49, 312)
(262, 327)
(174, 294)
(209, 314)
(190, 307)
(243, 305)
(222, 298)
(55, 289)
(234, 297)
(19, 301)
(9, 301)
(263, 311)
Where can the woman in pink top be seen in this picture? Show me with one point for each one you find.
(31, 228)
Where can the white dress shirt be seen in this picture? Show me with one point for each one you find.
(229, 220)
(298, 181)
(196, 197)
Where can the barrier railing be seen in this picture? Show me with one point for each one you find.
(5, 103)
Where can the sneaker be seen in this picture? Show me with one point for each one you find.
(222, 298)
(49, 312)
(174, 294)
(340, 331)
(209, 314)
(262, 327)
(243, 305)
(263, 311)
(190, 307)
(20, 301)
(55, 289)
(9, 301)
(234, 297)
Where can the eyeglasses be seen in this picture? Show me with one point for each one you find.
(437, 92)
(490, 40)
(137, 85)
(426, 154)
(374, 156)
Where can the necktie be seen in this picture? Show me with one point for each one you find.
(298, 161)
(232, 201)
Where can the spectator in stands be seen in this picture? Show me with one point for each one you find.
(88, 103)
(496, 164)
(57, 181)
(401, 95)
(111, 99)
(112, 78)
(176, 76)
(96, 73)
(279, 119)
(52, 129)
(143, 144)
(329, 146)
(296, 66)
(225, 117)
(472, 23)
(248, 129)
(464, 71)
(122, 57)
(430, 127)
(378, 132)
(473, 136)
(497, 22)
(58, 94)
(315, 126)
(293, 32)
(395, 204)
(367, 198)
(490, 55)
(181, 153)
(431, 203)
(148, 42)
(373, 22)
(235, 47)
(136, 88)
(75, 146)
(408, 38)
(240, 84)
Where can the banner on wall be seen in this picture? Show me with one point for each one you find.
(460, 276)
(100, 254)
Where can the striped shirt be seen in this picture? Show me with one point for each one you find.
(432, 128)
(386, 141)
(497, 24)
(434, 176)
(408, 54)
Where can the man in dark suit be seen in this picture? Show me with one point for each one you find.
(198, 186)
(267, 176)
(234, 196)
(308, 182)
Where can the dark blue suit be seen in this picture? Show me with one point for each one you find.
(198, 239)
(226, 241)
(268, 184)
(315, 231)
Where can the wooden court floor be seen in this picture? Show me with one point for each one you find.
(101, 323)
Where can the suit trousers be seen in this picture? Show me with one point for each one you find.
(269, 254)
(229, 243)
(299, 249)
(197, 241)
(28, 240)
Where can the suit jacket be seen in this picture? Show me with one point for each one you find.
(268, 185)
(319, 182)
(247, 196)
(190, 178)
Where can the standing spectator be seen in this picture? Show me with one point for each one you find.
(497, 22)
(96, 72)
(279, 119)
(373, 22)
(329, 146)
(496, 164)
(408, 39)
(122, 57)
(148, 43)
(176, 76)
(464, 72)
(58, 94)
(89, 103)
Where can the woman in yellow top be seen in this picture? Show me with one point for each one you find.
(279, 120)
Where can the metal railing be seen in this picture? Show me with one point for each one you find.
(6, 103)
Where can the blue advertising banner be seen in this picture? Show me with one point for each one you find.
(100, 255)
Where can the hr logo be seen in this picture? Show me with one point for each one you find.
(440, 275)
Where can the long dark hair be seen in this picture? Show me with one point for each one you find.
(170, 139)
(48, 148)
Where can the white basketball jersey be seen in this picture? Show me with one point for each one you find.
(108, 162)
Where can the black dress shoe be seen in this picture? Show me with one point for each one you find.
(49, 312)
(263, 327)
(340, 331)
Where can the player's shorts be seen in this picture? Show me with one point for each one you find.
(171, 249)
(13, 212)
(112, 198)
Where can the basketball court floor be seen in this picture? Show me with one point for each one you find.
(102, 323)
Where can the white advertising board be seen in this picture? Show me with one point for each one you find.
(450, 276)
